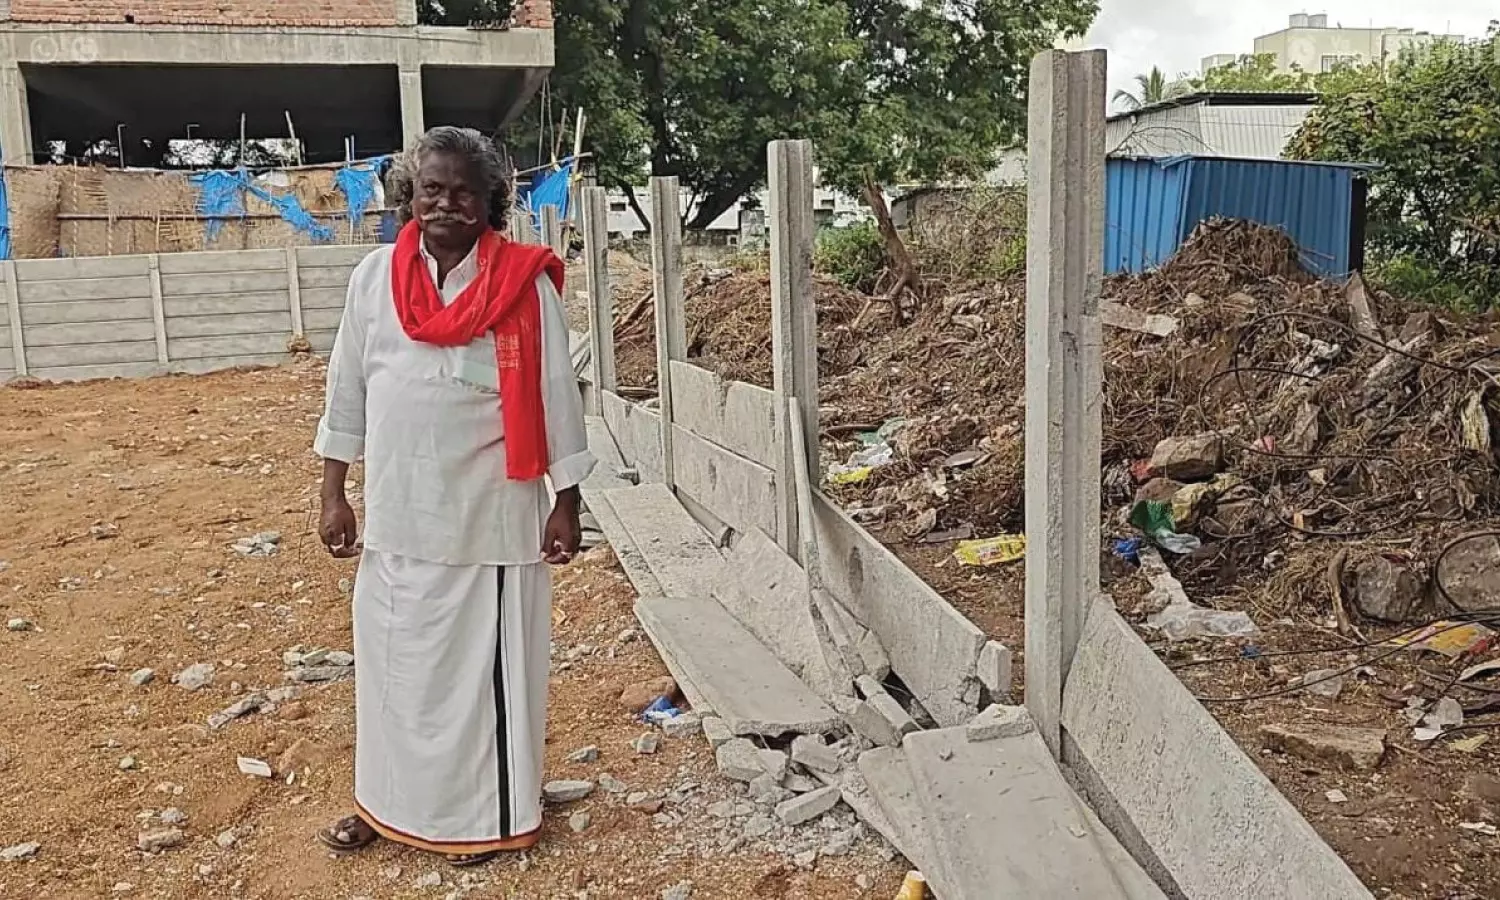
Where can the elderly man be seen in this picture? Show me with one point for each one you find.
(451, 374)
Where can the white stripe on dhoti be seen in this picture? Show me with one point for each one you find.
(450, 700)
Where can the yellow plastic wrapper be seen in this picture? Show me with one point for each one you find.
(850, 476)
(913, 888)
(995, 551)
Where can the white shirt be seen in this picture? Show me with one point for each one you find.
(427, 419)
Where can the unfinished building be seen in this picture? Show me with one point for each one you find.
(145, 72)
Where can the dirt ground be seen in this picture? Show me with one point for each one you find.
(121, 501)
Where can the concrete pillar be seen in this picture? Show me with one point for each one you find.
(666, 280)
(406, 12)
(15, 115)
(412, 122)
(1064, 265)
(552, 230)
(794, 321)
(601, 304)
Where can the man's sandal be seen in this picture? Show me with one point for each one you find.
(348, 835)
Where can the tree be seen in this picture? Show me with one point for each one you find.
(1431, 123)
(1153, 87)
(1256, 73)
(890, 90)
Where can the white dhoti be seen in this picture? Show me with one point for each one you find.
(450, 701)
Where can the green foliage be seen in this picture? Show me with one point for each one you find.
(1255, 73)
(906, 90)
(854, 254)
(1448, 286)
(1431, 122)
(1152, 87)
(464, 12)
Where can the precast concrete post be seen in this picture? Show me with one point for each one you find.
(1064, 263)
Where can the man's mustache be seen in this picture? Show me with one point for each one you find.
(448, 219)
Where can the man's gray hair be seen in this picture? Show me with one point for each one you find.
(484, 160)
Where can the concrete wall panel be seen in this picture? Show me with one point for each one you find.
(737, 490)
(84, 311)
(1176, 788)
(732, 414)
(637, 432)
(228, 324)
(931, 645)
(219, 261)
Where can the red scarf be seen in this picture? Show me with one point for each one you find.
(502, 299)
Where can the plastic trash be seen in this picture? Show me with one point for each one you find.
(995, 551)
(1154, 518)
(1128, 549)
(1185, 621)
(862, 463)
(913, 888)
(660, 710)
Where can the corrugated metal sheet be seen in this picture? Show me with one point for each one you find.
(1255, 132)
(1206, 129)
(1143, 213)
(1152, 205)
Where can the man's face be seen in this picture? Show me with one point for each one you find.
(447, 201)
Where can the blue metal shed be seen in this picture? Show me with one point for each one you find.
(1152, 205)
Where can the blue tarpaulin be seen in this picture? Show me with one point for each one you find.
(359, 182)
(4, 215)
(548, 189)
(221, 193)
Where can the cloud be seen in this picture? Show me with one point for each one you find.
(1175, 35)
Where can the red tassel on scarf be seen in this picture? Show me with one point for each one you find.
(501, 299)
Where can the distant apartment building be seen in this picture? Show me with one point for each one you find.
(329, 70)
(1310, 44)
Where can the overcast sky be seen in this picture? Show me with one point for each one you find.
(1177, 34)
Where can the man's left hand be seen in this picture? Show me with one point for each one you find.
(563, 534)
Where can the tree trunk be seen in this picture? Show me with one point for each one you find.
(895, 248)
(716, 202)
(635, 204)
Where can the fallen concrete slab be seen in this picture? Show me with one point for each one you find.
(1008, 824)
(721, 666)
(888, 778)
(768, 593)
(931, 645)
(606, 475)
(1174, 786)
(682, 559)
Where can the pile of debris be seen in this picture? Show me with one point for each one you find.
(800, 703)
(1336, 435)
(729, 328)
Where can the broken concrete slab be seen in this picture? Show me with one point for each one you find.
(769, 594)
(721, 666)
(811, 752)
(1175, 787)
(998, 722)
(806, 807)
(1010, 826)
(996, 669)
(717, 733)
(1352, 749)
(739, 760)
(682, 559)
(1190, 458)
(931, 645)
(867, 722)
(888, 779)
(876, 662)
(875, 695)
(606, 474)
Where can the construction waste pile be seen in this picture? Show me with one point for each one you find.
(1292, 445)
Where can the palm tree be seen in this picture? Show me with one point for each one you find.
(1153, 88)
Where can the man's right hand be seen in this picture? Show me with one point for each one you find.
(338, 528)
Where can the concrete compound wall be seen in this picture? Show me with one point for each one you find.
(135, 316)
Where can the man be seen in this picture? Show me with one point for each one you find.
(451, 374)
